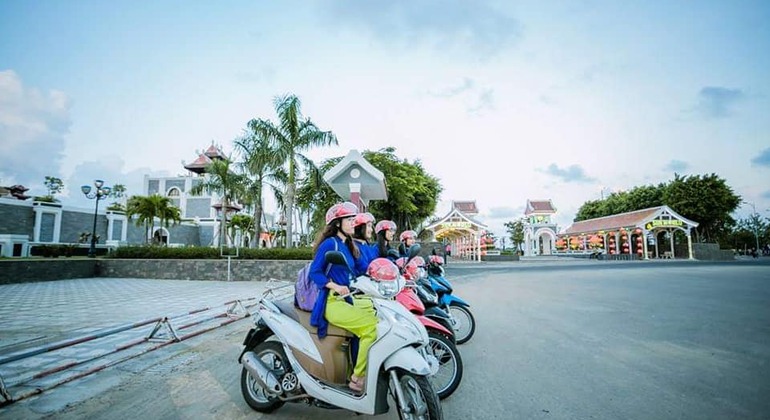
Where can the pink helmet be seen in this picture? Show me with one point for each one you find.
(407, 234)
(341, 210)
(385, 225)
(411, 272)
(362, 218)
(382, 269)
(436, 259)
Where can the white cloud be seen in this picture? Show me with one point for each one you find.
(33, 130)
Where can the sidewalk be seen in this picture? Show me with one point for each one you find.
(34, 313)
(59, 331)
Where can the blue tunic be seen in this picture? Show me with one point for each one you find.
(337, 273)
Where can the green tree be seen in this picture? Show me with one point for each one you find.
(412, 192)
(147, 208)
(242, 222)
(515, 231)
(54, 186)
(118, 193)
(262, 165)
(221, 179)
(141, 207)
(706, 199)
(292, 136)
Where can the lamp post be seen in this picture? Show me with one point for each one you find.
(99, 193)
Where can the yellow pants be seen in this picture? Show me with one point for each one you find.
(358, 318)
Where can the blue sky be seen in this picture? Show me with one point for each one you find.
(502, 101)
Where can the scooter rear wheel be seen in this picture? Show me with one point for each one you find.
(450, 371)
(270, 353)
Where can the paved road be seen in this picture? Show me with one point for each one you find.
(554, 341)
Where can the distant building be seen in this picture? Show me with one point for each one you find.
(461, 231)
(539, 228)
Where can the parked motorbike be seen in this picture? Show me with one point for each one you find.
(463, 322)
(284, 360)
(441, 343)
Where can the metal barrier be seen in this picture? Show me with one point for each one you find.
(163, 332)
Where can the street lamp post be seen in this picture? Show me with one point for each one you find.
(99, 193)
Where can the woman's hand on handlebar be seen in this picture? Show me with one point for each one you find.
(339, 289)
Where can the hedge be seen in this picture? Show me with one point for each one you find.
(202, 253)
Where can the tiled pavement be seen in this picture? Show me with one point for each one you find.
(31, 312)
(35, 315)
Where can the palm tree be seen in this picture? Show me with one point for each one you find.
(228, 184)
(141, 206)
(262, 164)
(150, 207)
(292, 136)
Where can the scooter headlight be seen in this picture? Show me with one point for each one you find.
(389, 289)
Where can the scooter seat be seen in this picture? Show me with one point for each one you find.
(333, 330)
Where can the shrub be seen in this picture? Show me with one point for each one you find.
(202, 253)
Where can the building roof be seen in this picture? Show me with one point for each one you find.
(213, 152)
(198, 165)
(626, 220)
(539, 207)
(467, 207)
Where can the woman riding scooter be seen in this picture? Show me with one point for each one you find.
(385, 230)
(362, 235)
(353, 314)
(407, 238)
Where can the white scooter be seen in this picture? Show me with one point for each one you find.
(284, 361)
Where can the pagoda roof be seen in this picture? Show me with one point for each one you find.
(213, 152)
(467, 207)
(199, 164)
(539, 207)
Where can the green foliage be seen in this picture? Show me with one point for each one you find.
(45, 199)
(147, 208)
(412, 192)
(292, 136)
(54, 185)
(515, 231)
(199, 252)
(706, 199)
(54, 251)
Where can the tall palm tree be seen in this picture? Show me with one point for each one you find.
(292, 136)
(262, 164)
(225, 182)
(150, 207)
(140, 205)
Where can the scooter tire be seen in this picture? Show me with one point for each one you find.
(263, 403)
(457, 308)
(416, 386)
(451, 355)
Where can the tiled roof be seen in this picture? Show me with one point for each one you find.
(213, 152)
(629, 219)
(539, 206)
(468, 207)
(199, 164)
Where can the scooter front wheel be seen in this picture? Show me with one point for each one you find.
(420, 399)
(464, 324)
(271, 354)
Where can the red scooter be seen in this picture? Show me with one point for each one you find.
(441, 344)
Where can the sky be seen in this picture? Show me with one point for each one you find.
(501, 101)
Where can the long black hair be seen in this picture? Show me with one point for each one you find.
(360, 233)
(331, 230)
(383, 245)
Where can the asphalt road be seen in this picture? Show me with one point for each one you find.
(553, 341)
